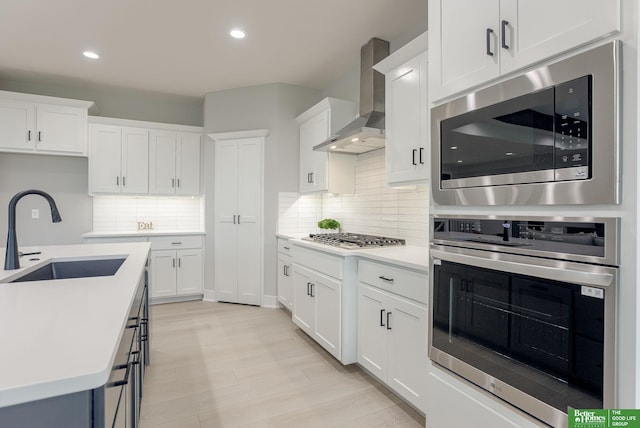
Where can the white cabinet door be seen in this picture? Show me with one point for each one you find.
(163, 273)
(189, 272)
(226, 232)
(162, 162)
(459, 47)
(407, 122)
(61, 129)
(407, 324)
(285, 295)
(372, 331)
(303, 304)
(188, 163)
(17, 125)
(326, 293)
(105, 158)
(238, 220)
(135, 160)
(313, 165)
(249, 194)
(537, 30)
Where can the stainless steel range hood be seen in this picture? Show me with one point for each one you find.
(366, 133)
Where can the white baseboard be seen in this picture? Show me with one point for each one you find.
(270, 301)
(209, 296)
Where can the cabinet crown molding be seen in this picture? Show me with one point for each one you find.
(44, 99)
(411, 50)
(220, 136)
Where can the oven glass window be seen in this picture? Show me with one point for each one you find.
(543, 337)
(510, 137)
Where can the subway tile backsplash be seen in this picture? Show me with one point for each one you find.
(122, 213)
(373, 209)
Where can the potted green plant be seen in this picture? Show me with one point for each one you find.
(329, 223)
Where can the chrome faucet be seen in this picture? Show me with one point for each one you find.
(11, 256)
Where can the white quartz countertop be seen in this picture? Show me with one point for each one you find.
(61, 336)
(142, 233)
(408, 256)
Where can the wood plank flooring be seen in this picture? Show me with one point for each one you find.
(219, 365)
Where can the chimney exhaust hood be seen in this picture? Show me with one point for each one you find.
(366, 133)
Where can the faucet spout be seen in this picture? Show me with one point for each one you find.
(11, 258)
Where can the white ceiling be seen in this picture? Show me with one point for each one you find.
(183, 47)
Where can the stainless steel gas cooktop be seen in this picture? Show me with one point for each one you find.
(352, 241)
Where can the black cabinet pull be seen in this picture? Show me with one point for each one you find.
(421, 151)
(178, 182)
(238, 218)
(312, 177)
(122, 382)
(179, 262)
(124, 180)
(384, 278)
(413, 157)
(308, 288)
(382, 318)
(117, 180)
(505, 24)
(312, 295)
(29, 136)
(388, 319)
(489, 33)
(39, 135)
(308, 177)
(173, 182)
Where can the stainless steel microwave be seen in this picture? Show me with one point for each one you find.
(546, 137)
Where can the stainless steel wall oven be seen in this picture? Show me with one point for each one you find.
(548, 136)
(525, 308)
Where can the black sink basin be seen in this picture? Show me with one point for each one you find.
(73, 269)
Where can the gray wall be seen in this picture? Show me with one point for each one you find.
(273, 107)
(123, 103)
(64, 178)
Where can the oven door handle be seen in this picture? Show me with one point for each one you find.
(597, 276)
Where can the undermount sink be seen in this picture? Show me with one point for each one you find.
(65, 269)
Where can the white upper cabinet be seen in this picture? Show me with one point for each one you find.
(174, 162)
(322, 171)
(118, 159)
(474, 42)
(46, 125)
(406, 111)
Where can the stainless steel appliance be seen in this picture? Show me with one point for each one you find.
(351, 241)
(525, 308)
(548, 136)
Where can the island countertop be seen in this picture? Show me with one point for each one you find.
(61, 336)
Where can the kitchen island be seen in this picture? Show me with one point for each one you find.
(62, 338)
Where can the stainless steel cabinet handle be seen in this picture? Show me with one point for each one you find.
(489, 33)
(384, 278)
(413, 156)
(177, 243)
(117, 180)
(505, 24)
(388, 319)
(382, 317)
(124, 182)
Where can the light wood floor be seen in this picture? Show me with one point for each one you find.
(217, 365)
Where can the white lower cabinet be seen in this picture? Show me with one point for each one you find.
(453, 402)
(285, 278)
(317, 307)
(392, 330)
(176, 267)
(325, 299)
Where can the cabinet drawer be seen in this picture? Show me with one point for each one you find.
(404, 282)
(175, 242)
(324, 263)
(284, 246)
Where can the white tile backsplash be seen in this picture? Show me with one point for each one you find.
(374, 208)
(122, 213)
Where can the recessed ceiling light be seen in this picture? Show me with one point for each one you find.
(90, 54)
(509, 153)
(459, 161)
(238, 34)
(454, 147)
(353, 140)
(334, 147)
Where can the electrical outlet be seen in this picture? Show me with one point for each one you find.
(35, 213)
